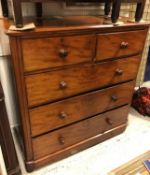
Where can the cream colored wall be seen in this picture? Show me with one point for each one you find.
(2, 164)
(146, 17)
(56, 9)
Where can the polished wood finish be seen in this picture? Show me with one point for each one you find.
(17, 9)
(55, 115)
(72, 25)
(115, 10)
(115, 45)
(107, 7)
(4, 5)
(116, 4)
(6, 140)
(46, 87)
(75, 95)
(63, 138)
(57, 51)
(39, 9)
(139, 10)
(73, 149)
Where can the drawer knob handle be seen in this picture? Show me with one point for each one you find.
(62, 115)
(119, 71)
(62, 85)
(61, 140)
(108, 120)
(114, 97)
(1, 99)
(124, 45)
(63, 53)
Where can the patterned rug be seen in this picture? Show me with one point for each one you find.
(133, 167)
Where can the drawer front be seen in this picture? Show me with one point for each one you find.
(51, 86)
(63, 138)
(120, 44)
(55, 115)
(58, 51)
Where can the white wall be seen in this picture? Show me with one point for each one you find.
(6, 80)
(2, 164)
(6, 77)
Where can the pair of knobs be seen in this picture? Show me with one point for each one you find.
(63, 53)
(63, 115)
(61, 139)
(63, 84)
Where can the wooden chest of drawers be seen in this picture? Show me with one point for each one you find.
(74, 84)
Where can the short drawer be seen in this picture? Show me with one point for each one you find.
(61, 113)
(46, 53)
(50, 86)
(73, 134)
(113, 45)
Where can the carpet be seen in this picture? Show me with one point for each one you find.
(133, 167)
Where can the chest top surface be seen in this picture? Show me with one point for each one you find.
(73, 25)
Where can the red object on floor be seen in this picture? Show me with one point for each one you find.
(141, 100)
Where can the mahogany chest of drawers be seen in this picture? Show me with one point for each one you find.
(74, 81)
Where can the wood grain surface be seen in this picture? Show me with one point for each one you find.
(62, 138)
(113, 45)
(61, 113)
(42, 53)
(50, 86)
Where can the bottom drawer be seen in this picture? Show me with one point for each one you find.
(75, 133)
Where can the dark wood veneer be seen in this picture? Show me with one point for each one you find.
(4, 5)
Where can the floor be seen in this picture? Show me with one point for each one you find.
(104, 157)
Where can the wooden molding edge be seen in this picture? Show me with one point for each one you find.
(32, 165)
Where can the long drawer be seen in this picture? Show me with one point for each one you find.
(63, 138)
(43, 53)
(113, 45)
(61, 113)
(51, 86)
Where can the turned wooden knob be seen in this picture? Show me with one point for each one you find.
(63, 53)
(124, 45)
(1, 99)
(62, 115)
(62, 85)
(61, 140)
(119, 71)
(109, 121)
(114, 97)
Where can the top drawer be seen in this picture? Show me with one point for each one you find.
(57, 51)
(113, 45)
